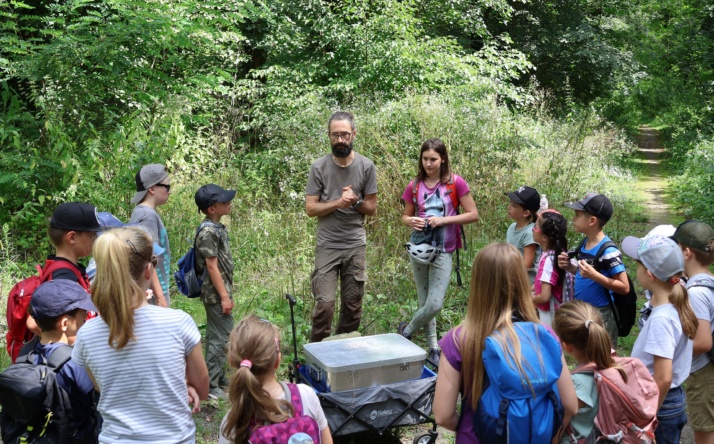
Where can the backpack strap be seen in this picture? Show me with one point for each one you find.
(60, 356)
(54, 265)
(292, 394)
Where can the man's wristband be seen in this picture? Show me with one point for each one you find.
(357, 204)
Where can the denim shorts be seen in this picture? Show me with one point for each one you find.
(672, 417)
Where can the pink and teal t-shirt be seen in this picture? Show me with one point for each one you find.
(425, 206)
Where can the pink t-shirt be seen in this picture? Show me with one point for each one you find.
(452, 236)
(549, 274)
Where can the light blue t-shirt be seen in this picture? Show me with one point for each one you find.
(521, 239)
(584, 421)
(702, 301)
(662, 336)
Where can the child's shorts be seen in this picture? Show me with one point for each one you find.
(700, 398)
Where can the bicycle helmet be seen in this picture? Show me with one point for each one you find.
(423, 253)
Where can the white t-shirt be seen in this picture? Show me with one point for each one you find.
(702, 302)
(310, 407)
(143, 385)
(662, 336)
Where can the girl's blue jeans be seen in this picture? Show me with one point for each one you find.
(672, 417)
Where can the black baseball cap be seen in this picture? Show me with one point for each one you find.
(526, 197)
(57, 297)
(695, 234)
(211, 194)
(76, 216)
(595, 204)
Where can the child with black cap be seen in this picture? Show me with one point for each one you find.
(153, 188)
(696, 239)
(523, 209)
(213, 257)
(60, 307)
(596, 276)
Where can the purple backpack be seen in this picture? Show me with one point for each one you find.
(299, 429)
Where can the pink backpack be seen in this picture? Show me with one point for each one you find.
(628, 410)
(299, 429)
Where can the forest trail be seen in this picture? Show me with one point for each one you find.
(653, 181)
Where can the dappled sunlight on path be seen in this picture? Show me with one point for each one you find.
(652, 182)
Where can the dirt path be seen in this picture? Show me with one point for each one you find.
(653, 182)
(653, 185)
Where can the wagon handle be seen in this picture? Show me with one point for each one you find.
(294, 372)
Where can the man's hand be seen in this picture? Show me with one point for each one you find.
(348, 198)
(227, 305)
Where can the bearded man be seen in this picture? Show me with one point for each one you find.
(341, 190)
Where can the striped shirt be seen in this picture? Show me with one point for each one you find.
(143, 385)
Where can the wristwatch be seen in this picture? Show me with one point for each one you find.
(357, 204)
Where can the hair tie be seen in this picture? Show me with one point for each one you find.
(674, 280)
(587, 324)
(246, 363)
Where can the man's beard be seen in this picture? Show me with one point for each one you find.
(341, 149)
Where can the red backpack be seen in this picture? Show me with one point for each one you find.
(19, 299)
(627, 409)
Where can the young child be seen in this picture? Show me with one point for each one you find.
(60, 307)
(696, 240)
(257, 397)
(499, 297)
(72, 230)
(523, 209)
(153, 188)
(143, 359)
(549, 231)
(583, 336)
(594, 281)
(213, 253)
(665, 343)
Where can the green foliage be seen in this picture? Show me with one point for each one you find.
(695, 184)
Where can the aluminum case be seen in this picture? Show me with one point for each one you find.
(368, 361)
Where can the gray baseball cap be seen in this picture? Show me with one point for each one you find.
(147, 177)
(659, 254)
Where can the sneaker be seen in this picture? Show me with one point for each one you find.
(217, 393)
(400, 329)
(434, 355)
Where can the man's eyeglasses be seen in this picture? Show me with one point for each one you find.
(165, 185)
(338, 136)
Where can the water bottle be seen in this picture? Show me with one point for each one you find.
(543, 203)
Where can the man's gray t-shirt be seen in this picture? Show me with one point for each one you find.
(700, 298)
(343, 228)
(662, 336)
(148, 218)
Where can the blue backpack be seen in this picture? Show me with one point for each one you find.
(187, 281)
(509, 411)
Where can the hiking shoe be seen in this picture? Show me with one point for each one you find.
(217, 393)
(400, 329)
(434, 355)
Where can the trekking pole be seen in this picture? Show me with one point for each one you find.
(295, 368)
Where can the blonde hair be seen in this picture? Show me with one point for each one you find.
(121, 255)
(679, 297)
(258, 341)
(579, 324)
(499, 291)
